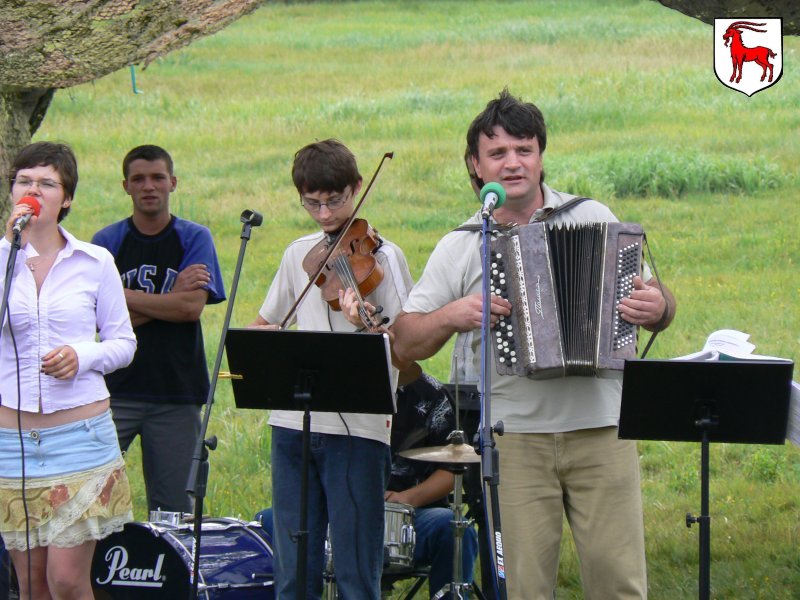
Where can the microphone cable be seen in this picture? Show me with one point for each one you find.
(22, 459)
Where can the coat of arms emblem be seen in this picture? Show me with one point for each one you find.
(748, 54)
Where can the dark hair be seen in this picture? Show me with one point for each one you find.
(149, 153)
(326, 166)
(50, 154)
(519, 119)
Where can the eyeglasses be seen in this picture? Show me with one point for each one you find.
(48, 185)
(332, 203)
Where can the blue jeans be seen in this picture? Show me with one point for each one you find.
(346, 479)
(434, 547)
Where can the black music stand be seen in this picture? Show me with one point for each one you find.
(733, 401)
(318, 371)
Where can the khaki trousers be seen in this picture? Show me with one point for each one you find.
(592, 477)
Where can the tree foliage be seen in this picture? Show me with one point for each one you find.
(46, 45)
(708, 10)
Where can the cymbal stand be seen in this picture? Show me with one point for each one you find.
(457, 587)
(329, 589)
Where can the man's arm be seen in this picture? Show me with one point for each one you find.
(434, 488)
(178, 307)
(650, 305)
(181, 304)
(421, 335)
(261, 323)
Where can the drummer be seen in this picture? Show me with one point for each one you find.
(425, 418)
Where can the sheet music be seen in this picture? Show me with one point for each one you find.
(730, 342)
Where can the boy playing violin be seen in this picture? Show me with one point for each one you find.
(350, 455)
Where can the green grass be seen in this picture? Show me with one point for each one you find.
(636, 118)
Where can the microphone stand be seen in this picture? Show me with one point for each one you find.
(198, 472)
(489, 454)
(12, 259)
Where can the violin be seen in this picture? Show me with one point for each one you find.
(351, 265)
(348, 261)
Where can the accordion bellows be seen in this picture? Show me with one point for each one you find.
(564, 283)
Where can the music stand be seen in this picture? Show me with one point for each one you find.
(733, 401)
(319, 371)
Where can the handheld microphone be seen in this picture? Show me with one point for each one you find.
(492, 195)
(22, 221)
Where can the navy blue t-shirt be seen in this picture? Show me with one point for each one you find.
(170, 362)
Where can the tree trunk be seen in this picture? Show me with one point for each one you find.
(21, 113)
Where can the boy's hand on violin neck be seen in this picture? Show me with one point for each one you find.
(351, 307)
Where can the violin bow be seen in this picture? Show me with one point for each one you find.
(335, 245)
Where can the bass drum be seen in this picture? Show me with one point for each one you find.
(154, 560)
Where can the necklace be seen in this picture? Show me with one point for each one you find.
(32, 264)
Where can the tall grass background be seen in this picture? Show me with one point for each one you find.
(636, 118)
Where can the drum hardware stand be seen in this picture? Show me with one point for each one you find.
(329, 590)
(490, 456)
(198, 472)
(729, 401)
(454, 457)
(458, 524)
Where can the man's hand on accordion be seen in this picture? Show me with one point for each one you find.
(649, 305)
(465, 314)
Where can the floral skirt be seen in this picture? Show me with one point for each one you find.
(75, 485)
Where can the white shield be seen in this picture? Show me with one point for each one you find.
(748, 53)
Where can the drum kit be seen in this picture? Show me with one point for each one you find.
(154, 560)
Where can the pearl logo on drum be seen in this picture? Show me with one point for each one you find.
(119, 574)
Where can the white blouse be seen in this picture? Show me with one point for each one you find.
(81, 304)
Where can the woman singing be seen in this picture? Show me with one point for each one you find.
(62, 478)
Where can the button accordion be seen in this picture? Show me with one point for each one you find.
(564, 283)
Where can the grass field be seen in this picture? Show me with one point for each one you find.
(636, 118)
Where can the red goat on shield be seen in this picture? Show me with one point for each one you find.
(741, 54)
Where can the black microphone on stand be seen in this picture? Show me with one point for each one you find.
(198, 472)
(21, 222)
(251, 217)
(492, 195)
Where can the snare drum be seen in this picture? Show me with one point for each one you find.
(398, 537)
(154, 560)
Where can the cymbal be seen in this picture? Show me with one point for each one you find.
(451, 453)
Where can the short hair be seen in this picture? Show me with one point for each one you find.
(149, 153)
(519, 119)
(326, 166)
(50, 154)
